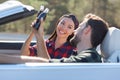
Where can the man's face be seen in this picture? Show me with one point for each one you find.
(78, 34)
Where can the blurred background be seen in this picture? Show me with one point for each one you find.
(107, 9)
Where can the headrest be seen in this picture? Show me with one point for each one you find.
(115, 57)
(111, 42)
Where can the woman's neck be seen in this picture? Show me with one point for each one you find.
(59, 42)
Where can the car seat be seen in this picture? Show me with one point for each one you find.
(110, 47)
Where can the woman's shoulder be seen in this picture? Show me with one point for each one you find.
(69, 44)
(70, 47)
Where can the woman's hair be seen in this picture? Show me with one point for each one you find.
(74, 19)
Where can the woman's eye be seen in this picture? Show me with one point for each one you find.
(62, 23)
(70, 27)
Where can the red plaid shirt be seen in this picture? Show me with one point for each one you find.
(65, 50)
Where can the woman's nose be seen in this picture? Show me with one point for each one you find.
(64, 27)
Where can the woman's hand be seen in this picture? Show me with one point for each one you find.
(40, 31)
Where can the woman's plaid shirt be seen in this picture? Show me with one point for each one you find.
(66, 50)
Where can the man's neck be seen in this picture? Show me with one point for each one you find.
(83, 46)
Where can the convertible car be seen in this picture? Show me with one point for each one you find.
(14, 10)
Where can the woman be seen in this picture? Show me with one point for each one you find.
(58, 44)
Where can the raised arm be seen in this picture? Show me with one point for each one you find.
(25, 47)
(41, 45)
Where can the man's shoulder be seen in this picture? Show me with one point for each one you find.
(89, 51)
(91, 54)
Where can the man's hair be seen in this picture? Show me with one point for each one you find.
(99, 28)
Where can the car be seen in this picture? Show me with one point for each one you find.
(14, 10)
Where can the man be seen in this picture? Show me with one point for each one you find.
(87, 37)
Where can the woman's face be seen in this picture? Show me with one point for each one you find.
(65, 27)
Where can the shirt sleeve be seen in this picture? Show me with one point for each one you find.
(33, 51)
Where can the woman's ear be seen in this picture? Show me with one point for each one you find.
(87, 29)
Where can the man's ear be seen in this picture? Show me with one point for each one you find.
(87, 29)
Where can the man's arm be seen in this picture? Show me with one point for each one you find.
(16, 59)
(87, 56)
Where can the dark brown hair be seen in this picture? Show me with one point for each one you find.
(99, 28)
(76, 23)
